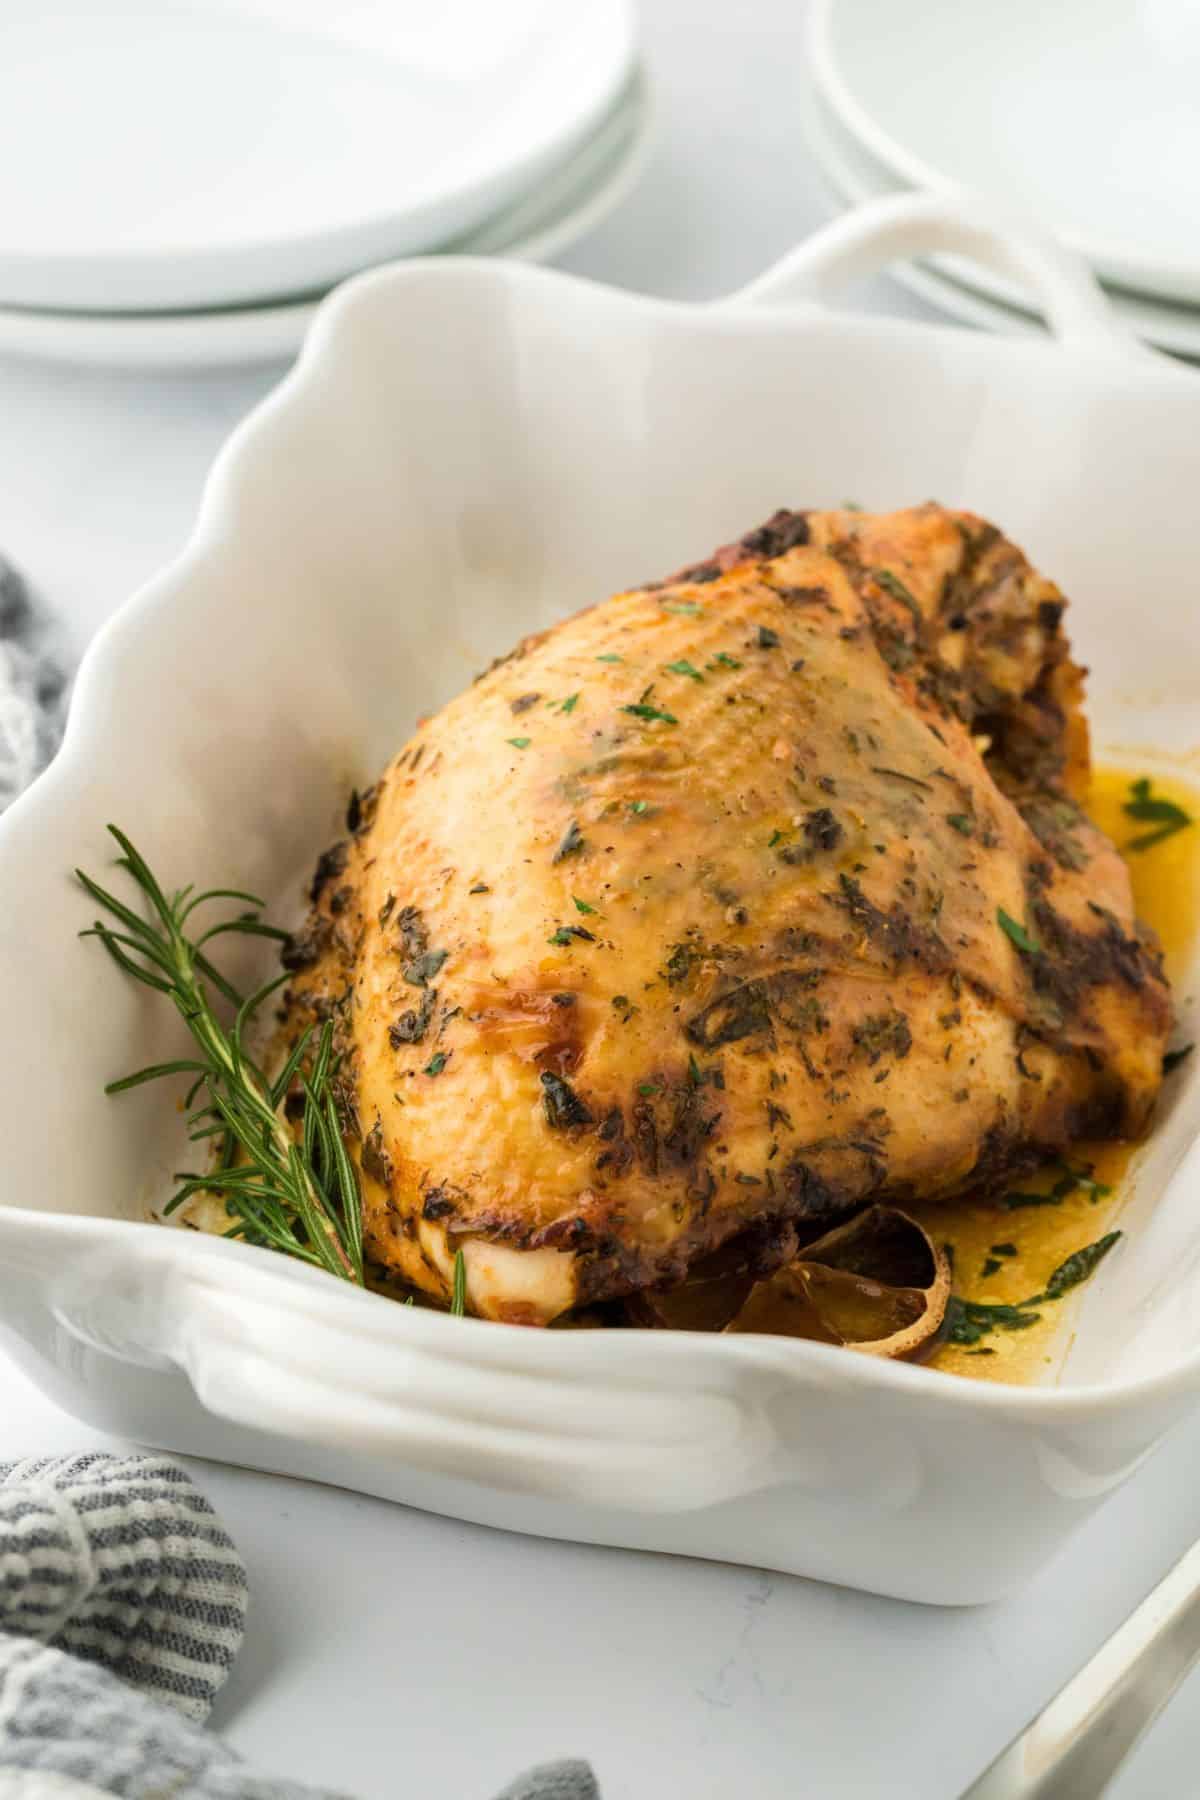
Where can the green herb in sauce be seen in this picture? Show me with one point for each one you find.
(1078, 1267)
(971, 1320)
(1148, 808)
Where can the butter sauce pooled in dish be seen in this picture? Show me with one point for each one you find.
(1004, 1247)
(721, 951)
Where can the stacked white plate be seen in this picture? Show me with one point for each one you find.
(1081, 115)
(182, 180)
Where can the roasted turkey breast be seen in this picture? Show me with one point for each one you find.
(725, 907)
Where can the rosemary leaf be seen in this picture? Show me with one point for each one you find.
(286, 1075)
(458, 1297)
(152, 1073)
(219, 894)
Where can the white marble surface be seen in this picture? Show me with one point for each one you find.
(390, 1651)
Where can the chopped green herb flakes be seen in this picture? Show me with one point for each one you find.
(1017, 932)
(971, 1320)
(1078, 1267)
(892, 584)
(641, 710)
(570, 843)
(1148, 808)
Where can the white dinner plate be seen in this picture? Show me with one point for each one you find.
(191, 153)
(1083, 114)
(959, 286)
(565, 206)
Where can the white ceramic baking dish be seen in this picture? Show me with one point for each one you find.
(468, 450)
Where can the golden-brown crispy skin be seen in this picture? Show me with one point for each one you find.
(687, 918)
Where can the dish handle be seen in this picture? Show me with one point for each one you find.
(355, 1378)
(364, 1384)
(442, 1405)
(901, 226)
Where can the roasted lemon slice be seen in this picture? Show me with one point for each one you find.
(877, 1284)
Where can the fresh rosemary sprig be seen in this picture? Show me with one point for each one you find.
(300, 1197)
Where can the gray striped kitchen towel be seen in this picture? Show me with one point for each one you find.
(33, 685)
(65, 1721)
(121, 1561)
(122, 1607)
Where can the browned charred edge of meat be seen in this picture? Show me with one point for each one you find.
(783, 531)
(1072, 962)
(819, 1185)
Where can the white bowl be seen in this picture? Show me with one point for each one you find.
(1082, 114)
(954, 284)
(182, 156)
(570, 200)
(467, 450)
